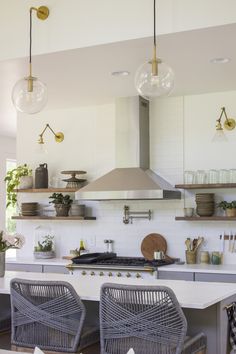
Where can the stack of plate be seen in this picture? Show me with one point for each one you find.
(29, 209)
(205, 204)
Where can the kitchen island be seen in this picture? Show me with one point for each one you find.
(203, 303)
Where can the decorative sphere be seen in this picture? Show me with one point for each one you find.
(26, 101)
(149, 85)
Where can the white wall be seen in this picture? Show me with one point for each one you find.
(80, 23)
(7, 151)
(181, 133)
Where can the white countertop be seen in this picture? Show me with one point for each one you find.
(201, 268)
(197, 295)
(50, 261)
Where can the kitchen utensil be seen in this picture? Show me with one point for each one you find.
(199, 242)
(188, 244)
(152, 243)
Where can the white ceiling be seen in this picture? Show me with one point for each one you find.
(83, 76)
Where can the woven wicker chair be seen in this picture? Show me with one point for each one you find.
(147, 319)
(50, 315)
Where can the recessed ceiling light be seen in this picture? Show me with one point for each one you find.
(219, 60)
(120, 73)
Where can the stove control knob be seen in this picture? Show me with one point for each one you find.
(138, 275)
(128, 275)
(83, 272)
(101, 274)
(92, 273)
(110, 274)
(119, 274)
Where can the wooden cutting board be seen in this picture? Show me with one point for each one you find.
(152, 243)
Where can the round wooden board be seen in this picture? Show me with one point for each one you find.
(151, 243)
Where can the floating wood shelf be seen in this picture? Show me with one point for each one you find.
(19, 217)
(206, 186)
(46, 190)
(206, 218)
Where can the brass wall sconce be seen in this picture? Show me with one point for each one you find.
(229, 124)
(29, 95)
(59, 137)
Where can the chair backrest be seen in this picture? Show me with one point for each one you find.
(148, 319)
(47, 314)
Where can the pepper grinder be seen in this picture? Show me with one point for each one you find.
(107, 244)
(110, 246)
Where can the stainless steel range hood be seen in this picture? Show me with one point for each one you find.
(136, 180)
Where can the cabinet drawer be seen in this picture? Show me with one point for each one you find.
(215, 277)
(175, 275)
(24, 267)
(55, 269)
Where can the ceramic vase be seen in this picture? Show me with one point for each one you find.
(26, 182)
(2, 264)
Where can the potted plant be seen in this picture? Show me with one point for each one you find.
(45, 248)
(228, 207)
(19, 177)
(62, 203)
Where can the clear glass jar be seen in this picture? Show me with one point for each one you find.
(44, 243)
(213, 176)
(201, 177)
(224, 176)
(189, 177)
(232, 176)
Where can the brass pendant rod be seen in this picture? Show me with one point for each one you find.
(154, 58)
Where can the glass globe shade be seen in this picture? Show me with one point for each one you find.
(149, 85)
(219, 136)
(26, 101)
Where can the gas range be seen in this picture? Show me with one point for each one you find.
(105, 265)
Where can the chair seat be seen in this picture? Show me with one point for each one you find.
(90, 335)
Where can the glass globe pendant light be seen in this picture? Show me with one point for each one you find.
(29, 95)
(154, 78)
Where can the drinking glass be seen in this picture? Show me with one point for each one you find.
(200, 177)
(189, 177)
(213, 176)
(224, 176)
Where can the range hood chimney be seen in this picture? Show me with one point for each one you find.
(132, 179)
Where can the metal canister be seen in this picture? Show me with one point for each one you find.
(41, 176)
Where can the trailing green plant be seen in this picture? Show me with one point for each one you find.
(59, 198)
(227, 205)
(46, 245)
(12, 180)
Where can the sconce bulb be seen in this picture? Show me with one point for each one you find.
(150, 85)
(29, 101)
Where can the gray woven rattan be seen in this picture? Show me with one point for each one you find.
(148, 319)
(50, 315)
